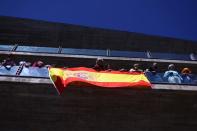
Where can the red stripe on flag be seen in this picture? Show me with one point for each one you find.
(62, 84)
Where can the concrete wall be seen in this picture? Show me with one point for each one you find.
(37, 107)
(41, 33)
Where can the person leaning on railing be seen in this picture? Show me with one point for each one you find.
(8, 63)
(172, 76)
(187, 76)
(100, 65)
(136, 68)
(23, 67)
(39, 64)
(153, 69)
(152, 73)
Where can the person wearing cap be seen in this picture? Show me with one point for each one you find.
(172, 76)
(186, 75)
(100, 65)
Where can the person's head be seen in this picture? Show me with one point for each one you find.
(171, 67)
(108, 66)
(22, 62)
(186, 71)
(136, 66)
(27, 64)
(40, 64)
(154, 66)
(100, 61)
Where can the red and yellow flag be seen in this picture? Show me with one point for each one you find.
(62, 78)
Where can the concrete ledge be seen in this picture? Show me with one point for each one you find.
(32, 80)
(35, 80)
(174, 87)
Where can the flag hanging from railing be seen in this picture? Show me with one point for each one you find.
(81, 76)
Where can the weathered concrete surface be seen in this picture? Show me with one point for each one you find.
(41, 33)
(37, 107)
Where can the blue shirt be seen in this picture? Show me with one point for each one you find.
(172, 76)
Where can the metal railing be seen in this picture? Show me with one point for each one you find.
(96, 52)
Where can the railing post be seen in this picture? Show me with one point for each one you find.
(148, 54)
(15, 47)
(60, 50)
(108, 52)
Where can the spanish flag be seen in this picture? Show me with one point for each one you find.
(81, 76)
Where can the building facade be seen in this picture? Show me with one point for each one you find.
(30, 102)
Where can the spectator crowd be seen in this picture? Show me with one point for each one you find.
(153, 73)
